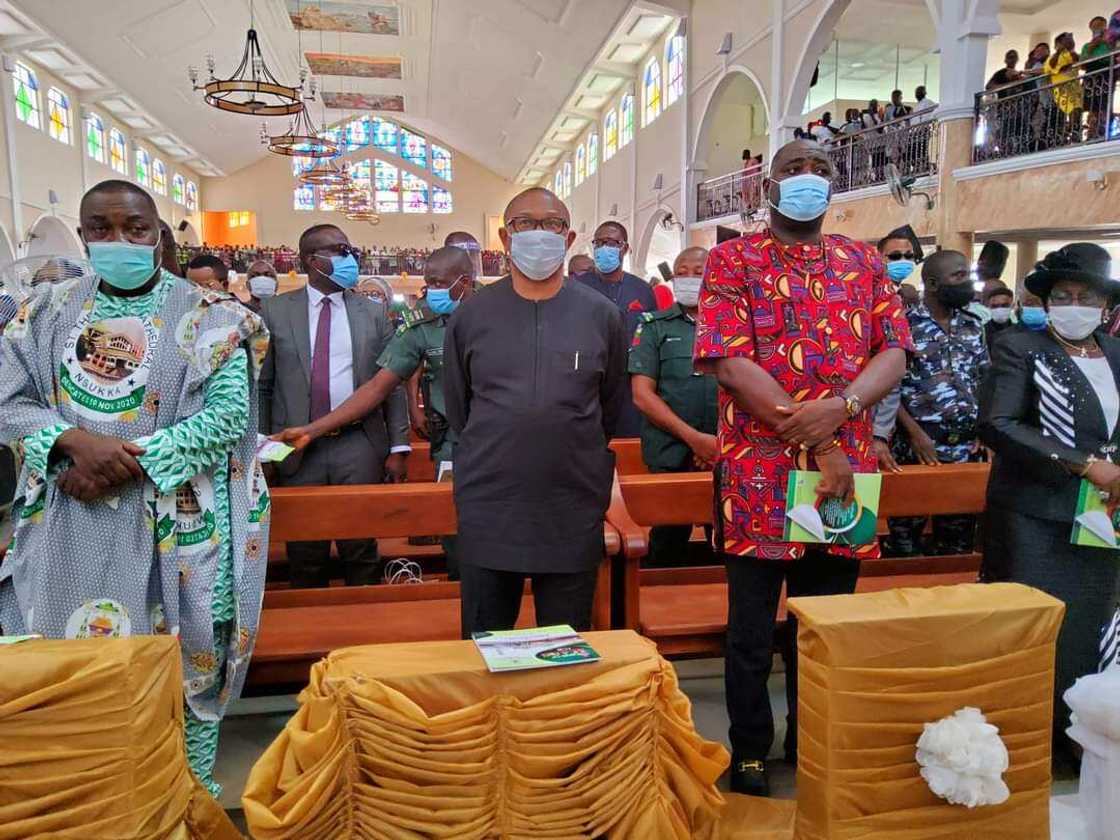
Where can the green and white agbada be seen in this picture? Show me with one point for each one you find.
(182, 551)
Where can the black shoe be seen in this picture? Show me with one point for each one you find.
(750, 777)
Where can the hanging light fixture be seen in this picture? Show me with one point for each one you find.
(301, 139)
(364, 216)
(252, 89)
(325, 173)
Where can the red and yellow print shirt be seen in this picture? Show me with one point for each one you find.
(811, 316)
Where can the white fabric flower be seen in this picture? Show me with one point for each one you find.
(963, 759)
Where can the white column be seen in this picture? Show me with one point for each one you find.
(8, 102)
(688, 187)
(962, 36)
(79, 134)
(777, 75)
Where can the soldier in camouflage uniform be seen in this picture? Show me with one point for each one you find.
(418, 345)
(939, 398)
(678, 405)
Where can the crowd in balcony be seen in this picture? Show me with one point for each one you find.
(376, 260)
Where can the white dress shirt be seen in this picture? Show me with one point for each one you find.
(925, 107)
(341, 346)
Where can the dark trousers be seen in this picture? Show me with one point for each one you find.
(951, 535)
(754, 587)
(671, 546)
(345, 458)
(490, 599)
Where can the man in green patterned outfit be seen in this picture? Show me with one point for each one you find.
(448, 280)
(141, 507)
(678, 405)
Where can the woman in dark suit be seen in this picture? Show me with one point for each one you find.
(1048, 409)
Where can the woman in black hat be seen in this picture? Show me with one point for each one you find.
(1048, 409)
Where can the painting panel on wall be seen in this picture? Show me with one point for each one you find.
(363, 66)
(345, 17)
(364, 101)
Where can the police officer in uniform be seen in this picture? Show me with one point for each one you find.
(678, 405)
(418, 345)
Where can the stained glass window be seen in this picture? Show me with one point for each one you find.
(27, 95)
(592, 154)
(95, 138)
(360, 175)
(652, 90)
(143, 167)
(414, 149)
(58, 115)
(441, 200)
(234, 219)
(178, 186)
(567, 170)
(325, 201)
(192, 195)
(674, 58)
(118, 157)
(441, 162)
(302, 164)
(610, 132)
(581, 164)
(387, 184)
(385, 135)
(159, 177)
(304, 197)
(558, 183)
(626, 132)
(414, 193)
(357, 134)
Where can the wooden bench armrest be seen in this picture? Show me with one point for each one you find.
(635, 546)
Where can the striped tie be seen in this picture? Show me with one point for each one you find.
(1110, 643)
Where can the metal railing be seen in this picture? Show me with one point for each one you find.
(1036, 114)
(860, 160)
(739, 192)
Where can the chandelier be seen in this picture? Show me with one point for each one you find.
(252, 89)
(325, 173)
(301, 139)
(364, 216)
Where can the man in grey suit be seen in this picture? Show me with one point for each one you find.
(325, 343)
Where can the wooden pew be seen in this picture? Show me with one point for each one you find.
(685, 610)
(300, 626)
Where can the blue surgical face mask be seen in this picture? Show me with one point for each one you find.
(124, 265)
(899, 270)
(1033, 317)
(344, 271)
(607, 259)
(440, 301)
(538, 254)
(803, 198)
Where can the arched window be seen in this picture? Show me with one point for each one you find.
(357, 134)
(58, 115)
(159, 177)
(567, 170)
(143, 167)
(26, 88)
(674, 60)
(118, 157)
(414, 193)
(387, 185)
(626, 132)
(192, 196)
(610, 134)
(95, 138)
(652, 90)
(303, 197)
(414, 149)
(592, 154)
(558, 183)
(385, 135)
(581, 164)
(178, 187)
(441, 162)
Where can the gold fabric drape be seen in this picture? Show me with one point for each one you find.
(875, 667)
(91, 744)
(419, 740)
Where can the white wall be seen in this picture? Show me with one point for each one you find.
(44, 164)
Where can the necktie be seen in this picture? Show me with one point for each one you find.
(321, 364)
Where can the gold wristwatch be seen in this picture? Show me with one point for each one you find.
(853, 406)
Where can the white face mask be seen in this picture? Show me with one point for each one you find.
(1075, 322)
(1001, 314)
(262, 286)
(687, 290)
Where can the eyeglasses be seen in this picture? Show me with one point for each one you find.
(894, 256)
(608, 243)
(522, 224)
(341, 250)
(1084, 297)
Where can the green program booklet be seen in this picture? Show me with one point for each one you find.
(815, 519)
(537, 647)
(1093, 523)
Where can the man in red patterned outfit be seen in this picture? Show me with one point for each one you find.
(805, 334)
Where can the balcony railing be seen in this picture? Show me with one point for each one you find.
(739, 192)
(1035, 115)
(860, 160)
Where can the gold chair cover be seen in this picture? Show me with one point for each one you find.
(419, 740)
(875, 667)
(91, 744)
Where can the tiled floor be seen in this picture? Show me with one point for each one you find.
(255, 722)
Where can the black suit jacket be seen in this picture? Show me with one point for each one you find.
(1038, 412)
